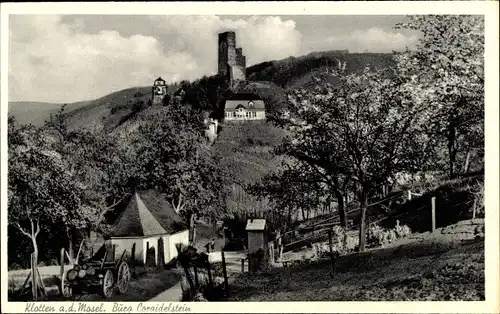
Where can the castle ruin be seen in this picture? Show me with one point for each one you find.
(232, 62)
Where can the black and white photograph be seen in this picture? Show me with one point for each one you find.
(153, 160)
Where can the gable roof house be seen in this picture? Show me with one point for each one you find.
(244, 106)
(149, 226)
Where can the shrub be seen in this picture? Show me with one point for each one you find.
(15, 266)
(203, 292)
(402, 231)
(53, 262)
(117, 107)
(378, 236)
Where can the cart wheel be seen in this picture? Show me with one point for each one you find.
(123, 277)
(64, 287)
(107, 284)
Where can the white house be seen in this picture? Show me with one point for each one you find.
(244, 106)
(149, 223)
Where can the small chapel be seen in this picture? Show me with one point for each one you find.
(159, 91)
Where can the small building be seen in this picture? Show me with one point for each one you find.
(159, 91)
(179, 94)
(149, 226)
(256, 231)
(244, 106)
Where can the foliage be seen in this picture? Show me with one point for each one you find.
(348, 134)
(173, 157)
(205, 93)
(292, 189)
(45, 185)
(446, 71)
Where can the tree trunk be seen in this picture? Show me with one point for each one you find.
(452, 150)
(70, 245)
(34, 272)
(362, 224)
(343, 217)
(467, 160)
(192, 235)
(341, 210)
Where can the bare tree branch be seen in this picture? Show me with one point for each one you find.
(116, 203)
(37, 227)
(22, 230)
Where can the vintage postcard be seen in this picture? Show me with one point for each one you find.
(247, 157)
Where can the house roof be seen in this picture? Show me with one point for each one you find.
(147, 213)
(255, 225)
(234, 104)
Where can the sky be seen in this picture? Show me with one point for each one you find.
(62, 59)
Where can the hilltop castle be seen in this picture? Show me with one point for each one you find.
(232, 62)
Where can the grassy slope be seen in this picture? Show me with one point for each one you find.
(435, 269)
(247, 155)
(247, 148)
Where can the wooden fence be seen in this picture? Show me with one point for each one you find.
(197, 263)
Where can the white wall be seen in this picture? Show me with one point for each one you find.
(173, 239)
(260, 115)
(153, 242)
(169, 241)
(126, 244)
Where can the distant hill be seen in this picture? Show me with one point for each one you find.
(35, 112)
(297, 72)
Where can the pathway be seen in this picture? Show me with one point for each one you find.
(233, 266)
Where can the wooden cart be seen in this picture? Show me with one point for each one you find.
(95, 275)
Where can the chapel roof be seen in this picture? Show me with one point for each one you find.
(147, 213)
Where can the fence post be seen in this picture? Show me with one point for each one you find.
(433, 201)
(188, 277)
(409, 195)
(62, 265)
(242, 265)
(196, 281)
(271, 252)
(224, 271)
(210, 281)
(474, 209)
(330, 241)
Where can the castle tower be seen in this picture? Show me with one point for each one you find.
(232, 62)
(159, 91)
